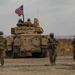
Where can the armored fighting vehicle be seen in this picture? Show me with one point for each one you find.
(27, 37)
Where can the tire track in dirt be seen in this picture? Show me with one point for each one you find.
(15, 66)
(66, 66)
(57, 66)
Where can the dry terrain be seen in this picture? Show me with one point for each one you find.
(38, 66)
(41, 66)
(65, 47)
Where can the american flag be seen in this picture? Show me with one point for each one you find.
(19, 10)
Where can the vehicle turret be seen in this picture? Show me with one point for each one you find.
(27, 27)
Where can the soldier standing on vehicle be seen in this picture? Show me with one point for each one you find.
(52, 48)
(20, 21)
(2, 48)
(29, 22)
(73, 44)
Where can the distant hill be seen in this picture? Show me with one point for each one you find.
(65, 36)
(56, 36)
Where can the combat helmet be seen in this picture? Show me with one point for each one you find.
(1, 33)
(28, 19)
(51, 35)
(20, 20)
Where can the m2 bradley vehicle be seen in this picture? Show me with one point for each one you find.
(27, 38)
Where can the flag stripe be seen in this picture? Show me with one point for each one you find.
(19, 11)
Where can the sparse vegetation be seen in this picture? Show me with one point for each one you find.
(64, 47)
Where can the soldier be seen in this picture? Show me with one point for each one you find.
(20, 21)
(29, 22)
(36, 22)
(52, 48)
(2, 48)
(73, 44)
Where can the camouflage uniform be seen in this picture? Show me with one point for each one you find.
(2, 48)
(52, 48)
(73, 44)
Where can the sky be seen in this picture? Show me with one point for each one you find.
(57, 16)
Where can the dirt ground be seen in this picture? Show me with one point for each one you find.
(38, 66)
(65, 64)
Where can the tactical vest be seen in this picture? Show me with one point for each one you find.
(2, 40)
(52, 43)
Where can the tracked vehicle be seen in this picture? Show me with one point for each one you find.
(27, 37)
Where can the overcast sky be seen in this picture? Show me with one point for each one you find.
(57, 16)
